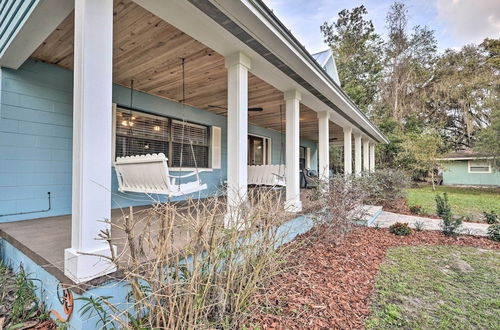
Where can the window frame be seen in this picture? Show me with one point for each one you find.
(470, 163)
(267, 146)
(117, 106)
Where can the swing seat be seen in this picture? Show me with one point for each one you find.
(149, 174)
(266, 175)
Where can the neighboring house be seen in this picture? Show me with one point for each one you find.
(81, 85)
(469, 168)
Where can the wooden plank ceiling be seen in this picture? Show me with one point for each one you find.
(149, 51)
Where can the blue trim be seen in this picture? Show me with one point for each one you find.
(373, 218)
(13, 27)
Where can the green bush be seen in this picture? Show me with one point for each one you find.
(384, 187)
(490, 217)
(494, 232)
(449, 224)
(419, 226)
(400, 229)
(416, 209)
(443, 208)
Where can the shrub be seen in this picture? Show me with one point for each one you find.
(494, 232)
(419, 225)
(336, 209)
(212, 280)
(490, 217)
(416, 209)
(384, 187)
(449, 224)
(400, 229)
(443, 208)
(18, 301)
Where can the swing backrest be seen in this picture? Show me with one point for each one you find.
(269, 175)
(143, 173)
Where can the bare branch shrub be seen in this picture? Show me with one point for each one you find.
(186, 271)
(337, 205)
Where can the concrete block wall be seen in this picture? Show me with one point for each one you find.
(36, 140)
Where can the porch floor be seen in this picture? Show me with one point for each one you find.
(44, 239)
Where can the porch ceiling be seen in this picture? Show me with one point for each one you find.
(148, 50)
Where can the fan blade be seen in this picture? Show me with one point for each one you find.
(256, 109)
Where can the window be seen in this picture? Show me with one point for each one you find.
(259, 150)
(479, 166)
(302, 157)
(140, 133)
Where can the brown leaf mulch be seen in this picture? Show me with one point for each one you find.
(329, 287)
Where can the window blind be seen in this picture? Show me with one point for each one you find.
(139, 133)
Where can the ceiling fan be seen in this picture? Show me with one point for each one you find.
(256, 109)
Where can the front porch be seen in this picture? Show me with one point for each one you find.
(138, 59)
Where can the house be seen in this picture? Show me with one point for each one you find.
(222, 83)
(327, 62)
(469, 168)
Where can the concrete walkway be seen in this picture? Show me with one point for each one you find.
(385, 219)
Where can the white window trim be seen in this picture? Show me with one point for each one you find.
(471, 162)
(174, 169)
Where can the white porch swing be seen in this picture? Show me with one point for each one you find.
(149, 173)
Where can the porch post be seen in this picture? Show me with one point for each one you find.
(237, 65)
(347, 151)
(357, 154)
(323, 145)
(92, 112)
(292, 100)
(372, 157)
(366, 155)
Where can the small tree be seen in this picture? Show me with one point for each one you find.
(420, 152)
(489, 138)
(449, 224)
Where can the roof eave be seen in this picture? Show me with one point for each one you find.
(273, 19)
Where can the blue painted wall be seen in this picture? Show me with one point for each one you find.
(457, 173)
(36, 140)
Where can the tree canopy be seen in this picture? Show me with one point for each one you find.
(427, 103)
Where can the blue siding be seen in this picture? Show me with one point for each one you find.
(457, 173)
(13, 14)
(36, 140)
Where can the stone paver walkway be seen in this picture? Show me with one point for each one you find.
(385, 219)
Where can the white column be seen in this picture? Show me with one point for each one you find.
(92, 121)
(366, 155)
(357, 154)
(347, 151)
(372, 157)
(323, 145)
(292, 100)
(237, 65)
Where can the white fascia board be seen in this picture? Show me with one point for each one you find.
(43, 19)
(264, 28)
(463, 158)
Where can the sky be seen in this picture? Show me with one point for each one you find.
(455, 22)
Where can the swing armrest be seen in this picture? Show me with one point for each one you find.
(182, 176)
(279, 175)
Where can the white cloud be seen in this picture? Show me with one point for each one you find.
(470, 21)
